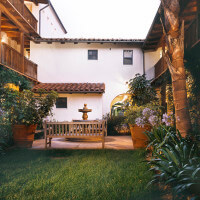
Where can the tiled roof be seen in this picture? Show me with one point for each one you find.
(71, 87)
(88, 40)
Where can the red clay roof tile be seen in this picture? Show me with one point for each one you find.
(71, 87)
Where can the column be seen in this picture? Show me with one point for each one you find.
(22, 50)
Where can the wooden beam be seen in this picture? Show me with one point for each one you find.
(0, 34)
(22, 49)
(153, 39)
(151, 42)
(198, 19)
(9, 29)
(155, 35)
(13, 34)
(8, 24)
(157, 31)
(12, 18)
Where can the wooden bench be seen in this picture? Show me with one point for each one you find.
(90, 130)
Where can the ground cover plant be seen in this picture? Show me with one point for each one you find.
(75, 174)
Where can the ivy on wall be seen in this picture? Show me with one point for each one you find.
(9, 76)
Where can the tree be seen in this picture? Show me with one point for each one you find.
(174, 56)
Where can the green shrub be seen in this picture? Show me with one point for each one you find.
(116, 125)
(26, 108)
(5, 136)
(133, 113)
(141, 90)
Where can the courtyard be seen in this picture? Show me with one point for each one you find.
(111, 142)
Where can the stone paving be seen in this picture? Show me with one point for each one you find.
(111, 142)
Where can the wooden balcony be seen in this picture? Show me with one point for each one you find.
(160, 68)
(20, 12)
(192, 34)
(14, 60)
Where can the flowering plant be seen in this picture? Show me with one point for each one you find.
(167, 119)
(141, 115)
(148, 117)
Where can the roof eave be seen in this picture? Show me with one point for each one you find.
(152, 26)
(58, 18)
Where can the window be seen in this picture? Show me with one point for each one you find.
(61, 103)
(128, 57)
(92, 54)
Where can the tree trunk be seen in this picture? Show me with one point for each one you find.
(174, 57)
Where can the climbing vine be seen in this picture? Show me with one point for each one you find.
(9, 76)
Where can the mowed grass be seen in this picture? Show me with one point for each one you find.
(75, 174)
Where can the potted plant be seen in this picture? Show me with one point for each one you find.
(139, 115)
(25, 110)
(140, 120)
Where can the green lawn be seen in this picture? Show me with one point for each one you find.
(74, 174)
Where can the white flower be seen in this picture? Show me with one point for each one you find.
(153, 120)
(167, 119)
(140, 121)
(146, 111)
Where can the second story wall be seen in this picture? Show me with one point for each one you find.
(48, 23)
(65, 63)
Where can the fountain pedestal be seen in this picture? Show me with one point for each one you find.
(85, 110)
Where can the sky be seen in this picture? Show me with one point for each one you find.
(127, 19)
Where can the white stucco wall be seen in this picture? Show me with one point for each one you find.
(50, 26)
(75, 102)
(151, 58)
(69, 62)
(9, 41)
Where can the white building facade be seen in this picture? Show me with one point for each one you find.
(114, 63)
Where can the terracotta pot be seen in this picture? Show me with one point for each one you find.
(23, 135)
(138, 137)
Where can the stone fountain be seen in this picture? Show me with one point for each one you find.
(85, 110)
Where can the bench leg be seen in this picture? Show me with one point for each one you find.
(50, 142)
(103, 142)
(45, 142)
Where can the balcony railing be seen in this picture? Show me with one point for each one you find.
(160, 67)
(30, 18)
(13, 59)
(30, 68)
(25, 12)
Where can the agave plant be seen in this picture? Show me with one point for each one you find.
(189, 179)
(160, 136)
(177, 162)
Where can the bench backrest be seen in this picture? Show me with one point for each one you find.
(92, 128)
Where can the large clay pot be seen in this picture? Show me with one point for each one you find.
(138, 137)
(23, 135)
